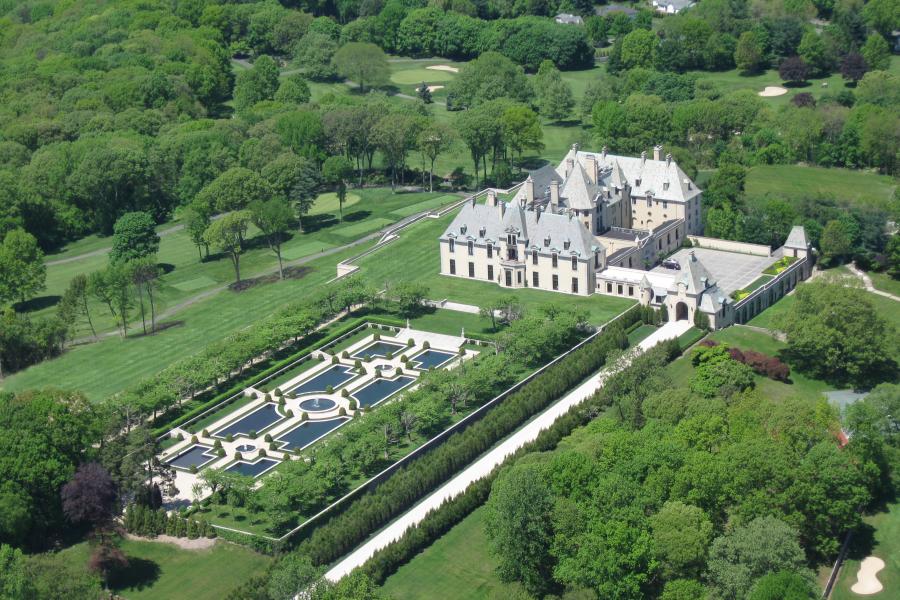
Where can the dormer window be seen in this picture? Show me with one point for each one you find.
(511, 239)
(665, 185)
(566, 244)
(481, 232)
(547, 242)
(462, 229)
(637, 182)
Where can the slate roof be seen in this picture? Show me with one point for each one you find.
(578, 191)
(797, 238)
(481, 223)
(693, 276)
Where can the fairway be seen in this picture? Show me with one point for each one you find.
(416, 76)
(415, 257)
(794, 182)
(424, 205)
(160, 570)
(363, 227)
(456, 566)
(886, 546)
(328, 203)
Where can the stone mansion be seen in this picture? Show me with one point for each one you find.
(597, 223)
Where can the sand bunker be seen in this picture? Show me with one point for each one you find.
(434, 88)
(866, 580)
(447, 68)
(773, 90)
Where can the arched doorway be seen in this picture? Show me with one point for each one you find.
(681, 311)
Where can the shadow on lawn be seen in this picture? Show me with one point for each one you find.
(38, 303)
(139, 574)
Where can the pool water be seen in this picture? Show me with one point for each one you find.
(380, 389)
(379, 349)
(317, 404)
(252, 469)
(262, 418)
(308, 432)
(195, 456)
(431, 358)
(335, 376)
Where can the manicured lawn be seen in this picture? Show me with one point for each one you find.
(886, 546)
(165, 571)
(885, 283)
(640, 333)
(456, 566)
(415, 257)
(794, 182)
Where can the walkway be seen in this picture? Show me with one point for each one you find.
(484, 465)
(867, 282)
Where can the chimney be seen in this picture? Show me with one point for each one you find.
(473, 200)
(591, 163)
(603, 152)
(529, 191)
(501, 208)
(554, 196)
(668, 160)
(570, 166)
(492, 198)
(657, 152)
(643, 157)
(537, 214)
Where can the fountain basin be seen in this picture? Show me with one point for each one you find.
(245, 448)
(317, 405)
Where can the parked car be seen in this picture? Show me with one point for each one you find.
(671, 263)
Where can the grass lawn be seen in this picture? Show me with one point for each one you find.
(885, 283)
(885, 544)
(456, 566)
(415, 256)
(165, 571)
(795, 181)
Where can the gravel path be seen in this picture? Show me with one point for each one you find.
(867, 281)
(484, 465)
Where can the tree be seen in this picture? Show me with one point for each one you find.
(336, 171)
(295, 178)
(134, 237)
(681, 536)
(490, 76)
(638, 49)
(291, 575)
(793, 70)
(424, 93)
(274, 218)
(718, 374)
(293, 90)
(409, 297)
(22, 269)
(554, 96)
(683, 589)
(256, 84)
(877, 53)
(783, 585)
(749, 56)
(892, 253)
(233, 190)
(474, 127)
(521, 129)
(112, 286)
(853, 67)
(395, 135)
(145, 274)
(74, 301)
(196, 221)
(90, 496)
(740, 557)
(227, 234)
(836, 241)
(313, 54)
(435, 139)
(834, 333)
(883, 16)
(518, 527)
(362, 63)
(14, 581)
(814, 53)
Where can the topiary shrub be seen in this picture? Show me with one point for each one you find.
(193, 439)
(342, 412)
(426, 345)
(262, 453)
(304, 416)
(252, 433)
(389, 355)
(193, 468)
(278, 392)
(205, 433)
(329, 389)
(377, 373)
(217, 444)
(273, 446)
(352, 404)
(220, 452)
(238, 456)
(267, 438)
(268, 398)
(345, 354)
(334, 359)
(410, 343)
(281, 401)
(289, 413)
(357, 364)
(462, 351)
(404, 359)
(345, 393)
(229, 438)
(180, 437)
(399, 371)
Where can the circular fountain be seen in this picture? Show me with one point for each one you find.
(317, 405)
(245, 448)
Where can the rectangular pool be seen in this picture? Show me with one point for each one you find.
(195, 456)
(254, 469)
(378, 349)
(431, 358)
(302, 436)
(380, 389)
(262, 418)
(335, 376)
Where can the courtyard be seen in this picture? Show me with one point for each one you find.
(731, 270)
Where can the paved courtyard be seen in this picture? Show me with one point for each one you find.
(731, 270)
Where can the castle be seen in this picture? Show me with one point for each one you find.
(596, 223)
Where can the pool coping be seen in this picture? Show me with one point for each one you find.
(412, 359)
(355, 355)
(350, 369)
(275, 463)
(169, 460)
(375, 381)
(345, 418)
(243, 416)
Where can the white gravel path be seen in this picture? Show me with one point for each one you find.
(484, 465)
